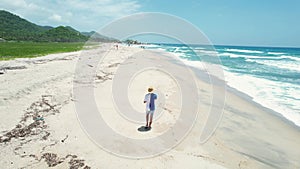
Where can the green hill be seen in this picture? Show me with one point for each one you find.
(15, 28)
(62, 34)
(96, 37)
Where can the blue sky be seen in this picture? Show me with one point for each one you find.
(229, 22)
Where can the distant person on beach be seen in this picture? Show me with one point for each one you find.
(150, 106)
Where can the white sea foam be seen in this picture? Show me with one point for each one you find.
(196, 64)
(276, 53)
(277, 96)
(208, 52)
(178, 55)
(273, 95)
(291, 57)
(180, 50)
(199, 48)
(150, 45)
(243, 51)
(232, 55)
(146, 45)
(281, 64)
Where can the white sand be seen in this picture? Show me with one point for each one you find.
(247, 137)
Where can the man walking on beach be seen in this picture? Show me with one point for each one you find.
(150, 106)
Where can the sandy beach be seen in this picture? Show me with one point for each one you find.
(41, 126)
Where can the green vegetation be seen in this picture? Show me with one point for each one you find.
(14, 28)
(20, 38)
(11, 50)
(62, 34)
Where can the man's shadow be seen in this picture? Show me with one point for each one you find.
(144, 129)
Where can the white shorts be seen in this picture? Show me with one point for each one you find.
(150, 112)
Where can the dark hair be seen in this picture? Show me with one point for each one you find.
(150, 89)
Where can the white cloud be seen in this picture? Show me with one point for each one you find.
(82, 15)
(56, 18)
(18, 3)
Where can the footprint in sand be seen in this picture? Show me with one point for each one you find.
(243, 164)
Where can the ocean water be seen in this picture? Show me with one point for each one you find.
(271, 76)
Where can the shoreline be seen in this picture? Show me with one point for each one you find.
(249, 99)
(259, 112)
(235, 91)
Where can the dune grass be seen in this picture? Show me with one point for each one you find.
(12, 50)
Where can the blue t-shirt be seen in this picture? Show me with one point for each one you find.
(150, 101)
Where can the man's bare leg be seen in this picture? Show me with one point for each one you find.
(151, 116)
(147, 117)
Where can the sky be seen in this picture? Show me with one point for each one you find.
(224, 22)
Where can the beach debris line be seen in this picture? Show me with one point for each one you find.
(32, 127)
(12, 67)
(106, 75)
(33, 121)
(53, 160)
(102, 78)
(3, 69)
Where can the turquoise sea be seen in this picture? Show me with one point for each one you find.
(269, 75)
